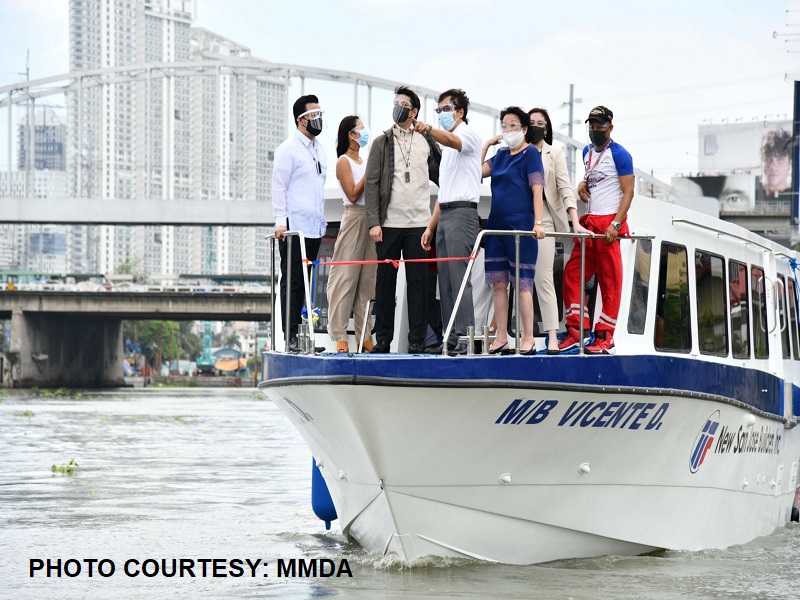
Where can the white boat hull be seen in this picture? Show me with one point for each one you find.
(464, 471)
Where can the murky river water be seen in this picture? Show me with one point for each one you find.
(221, 474)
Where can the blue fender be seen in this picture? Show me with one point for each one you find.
(321, 500)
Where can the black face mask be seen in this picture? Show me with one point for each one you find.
(314, 126)
(537, 134)
(598, 138)
(400, 114)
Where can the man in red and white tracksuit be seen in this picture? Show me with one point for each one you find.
(608, 189)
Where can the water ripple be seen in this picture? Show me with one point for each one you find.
(222, 474)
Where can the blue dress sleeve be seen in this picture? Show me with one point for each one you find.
(534, 168)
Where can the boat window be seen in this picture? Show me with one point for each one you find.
(641, 287)
(673, 322)
(780, 291)
(712, 321)
(740, 311)
(758, 286)
(793, 319)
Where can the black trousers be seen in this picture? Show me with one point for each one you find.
(297, 295)
(405, 242)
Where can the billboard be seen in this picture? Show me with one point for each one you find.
(735, 193)
(747, 166)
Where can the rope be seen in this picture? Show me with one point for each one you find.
(386, 261)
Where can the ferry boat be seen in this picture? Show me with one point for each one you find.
(685, 439)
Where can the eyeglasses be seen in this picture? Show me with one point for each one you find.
(598, 127)
(445, 109)
(315, 113)
(511, 126)
(403, 103)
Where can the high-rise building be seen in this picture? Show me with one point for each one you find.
(49, 139)
(167, 137)
(232, 152)
(115, 150)
(41, 174)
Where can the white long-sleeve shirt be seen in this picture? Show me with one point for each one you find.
(298, 185)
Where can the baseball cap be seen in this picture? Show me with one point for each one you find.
(601, 114)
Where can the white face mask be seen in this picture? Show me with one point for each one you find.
(514, 138)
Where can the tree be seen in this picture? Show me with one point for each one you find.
(163, 339)
(233, 341)
(131, 266)
(190, 343)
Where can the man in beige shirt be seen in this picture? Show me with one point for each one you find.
(401, 164)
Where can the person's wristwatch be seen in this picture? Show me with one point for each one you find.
(538, 222)
(617, 225)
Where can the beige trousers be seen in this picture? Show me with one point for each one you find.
(351, 287)
(545, 289)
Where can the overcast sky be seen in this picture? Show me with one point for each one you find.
(663, 68)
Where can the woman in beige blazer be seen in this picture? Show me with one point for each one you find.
(559, 205)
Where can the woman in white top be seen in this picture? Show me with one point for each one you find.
(350, 287)
(559, 202)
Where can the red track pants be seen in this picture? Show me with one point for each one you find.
(602, 259)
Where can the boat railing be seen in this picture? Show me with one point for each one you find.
(582, 237)
(305, 337)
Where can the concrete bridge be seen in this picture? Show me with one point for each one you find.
(74, 339)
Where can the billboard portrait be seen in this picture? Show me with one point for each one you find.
(775, 181)
(736, 193)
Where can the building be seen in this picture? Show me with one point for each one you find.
(23, 246)
(41, 174)
(115, 154)
(49, 139)
(243, 121)
(175, 137)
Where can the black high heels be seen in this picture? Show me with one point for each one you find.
(499, 349)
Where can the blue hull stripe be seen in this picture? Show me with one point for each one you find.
(749, 386)
(795, 400)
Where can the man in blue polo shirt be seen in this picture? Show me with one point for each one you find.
(607, 188)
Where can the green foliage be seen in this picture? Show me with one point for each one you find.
(65, 468)
(175, 339)
(62, 393)
(191, 343)
(175, 384)
(233, 341)
(26, 413)
(130, 266)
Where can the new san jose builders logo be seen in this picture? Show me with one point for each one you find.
(703, 442)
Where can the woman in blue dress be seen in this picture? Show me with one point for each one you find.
(517, 183)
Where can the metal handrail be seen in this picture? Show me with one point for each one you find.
(721, 232)
(517, 234)
(306, 286)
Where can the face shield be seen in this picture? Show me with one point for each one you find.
(314, 120)
(598, 132)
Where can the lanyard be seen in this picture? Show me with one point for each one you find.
(314, 158)
(591, 167)
(407, 154)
